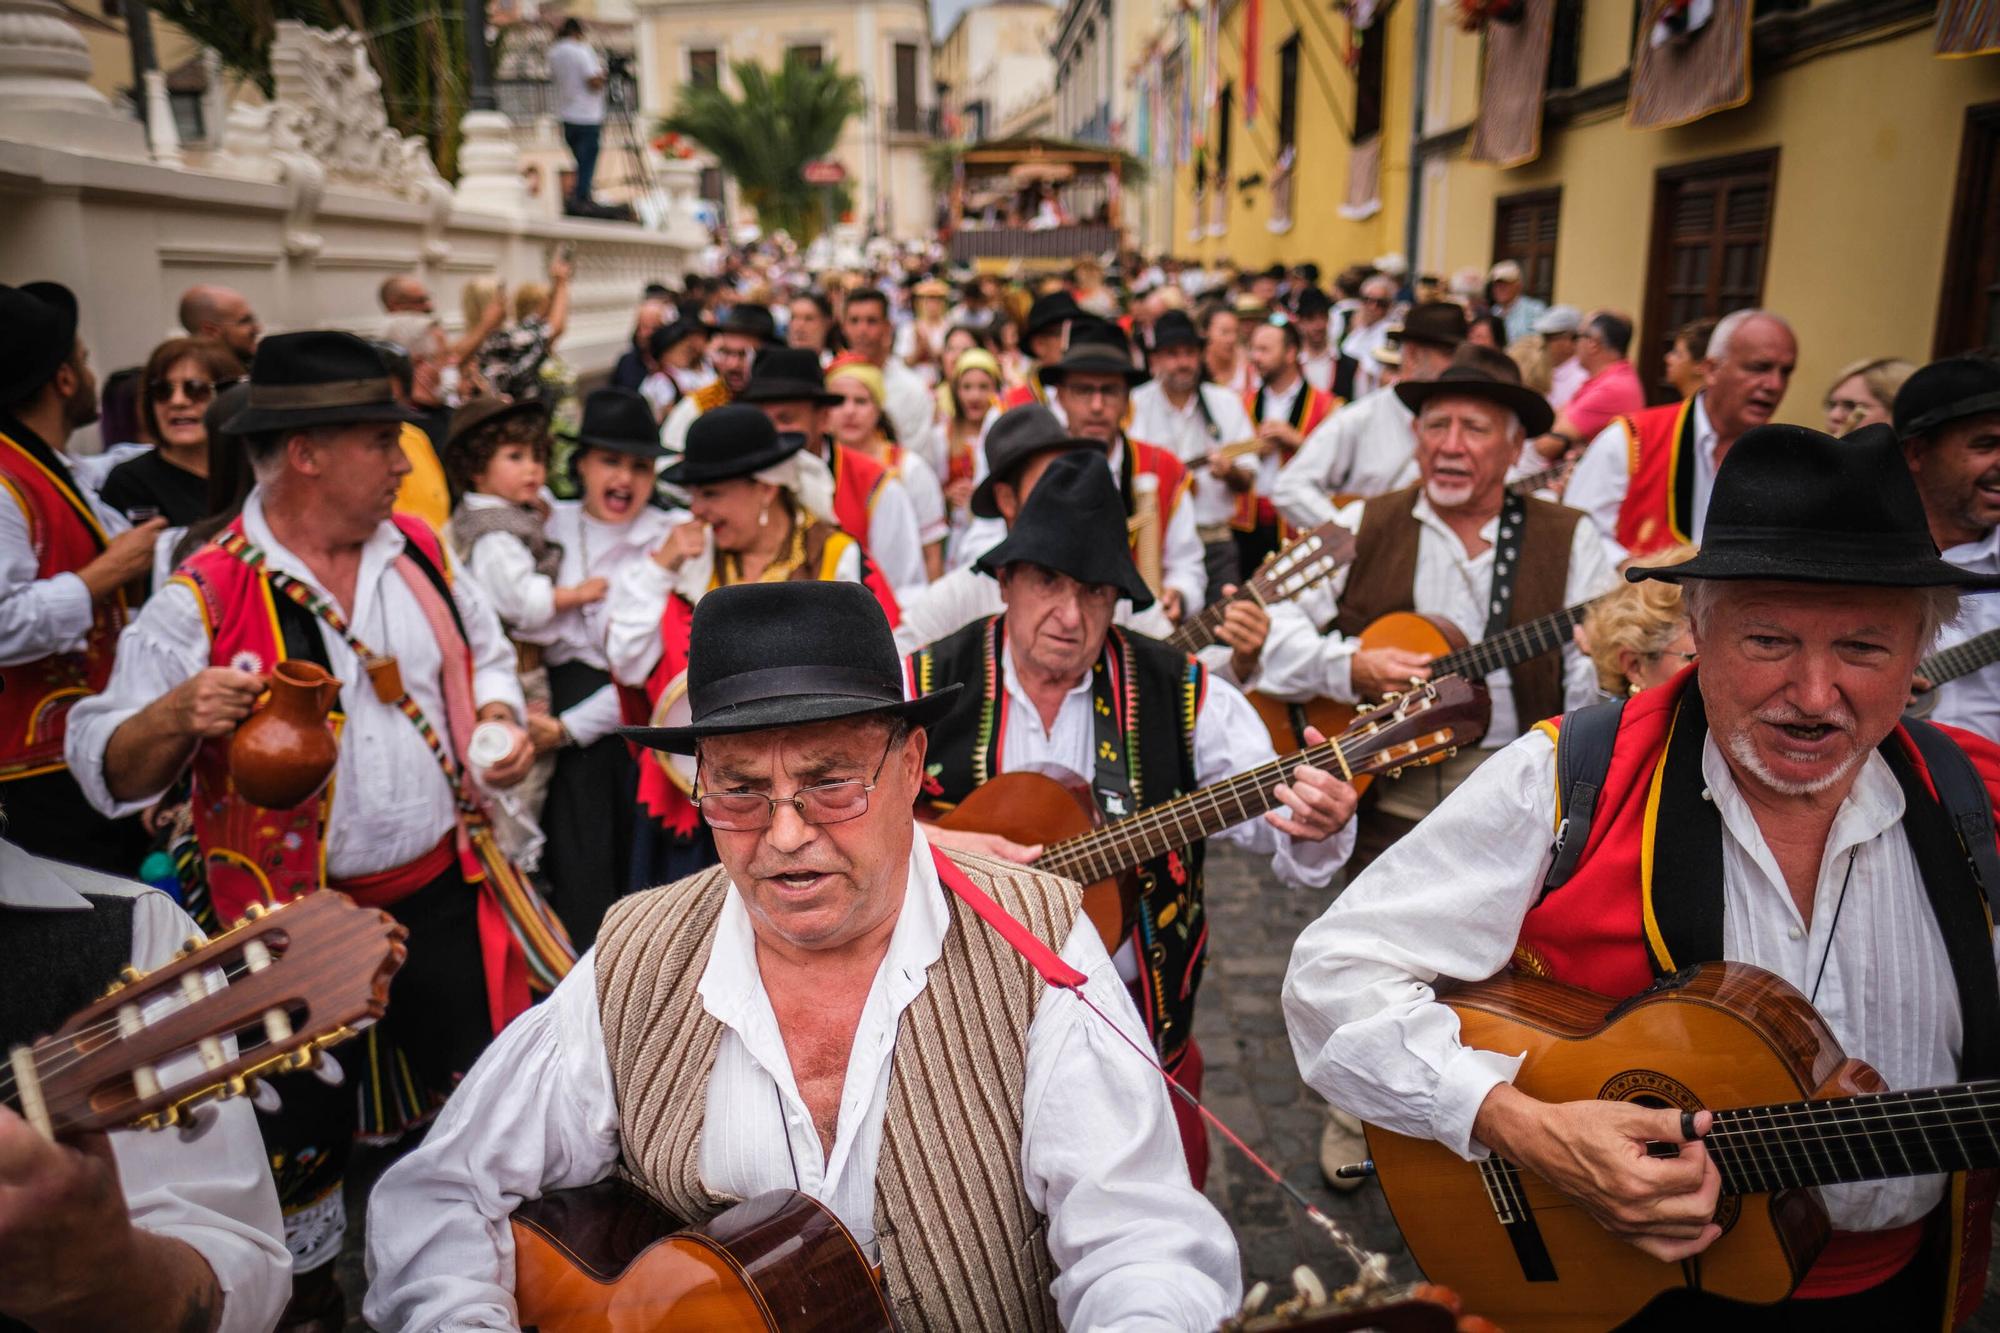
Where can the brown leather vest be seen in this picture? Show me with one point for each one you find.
(1384, 574)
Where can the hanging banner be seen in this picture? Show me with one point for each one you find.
(1509, 130)
(1693, 61)
(1968, 27)
(1253, 42)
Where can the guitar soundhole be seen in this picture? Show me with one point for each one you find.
(1649, 1087)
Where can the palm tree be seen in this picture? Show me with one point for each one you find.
(765, 137)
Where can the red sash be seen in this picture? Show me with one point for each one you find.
(37, 695)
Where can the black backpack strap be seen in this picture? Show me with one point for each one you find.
(1963, 794)
(1583, 758)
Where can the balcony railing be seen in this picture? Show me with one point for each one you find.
(1061, 244)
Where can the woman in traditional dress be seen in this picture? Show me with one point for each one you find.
(859, 422)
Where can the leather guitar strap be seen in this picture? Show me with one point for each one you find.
(1506, 562)
(1111, 687)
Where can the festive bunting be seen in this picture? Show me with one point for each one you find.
(1968, 27)
(1509, 131)
(1252, 43)
(1693, 60)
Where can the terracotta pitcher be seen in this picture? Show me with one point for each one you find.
(285, 751)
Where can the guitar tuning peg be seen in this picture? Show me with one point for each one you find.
(254, 912)
(235, 1087)
(129, 974)
(1395, 772)
(189, 945)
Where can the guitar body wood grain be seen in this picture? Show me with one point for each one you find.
(1726, 1038)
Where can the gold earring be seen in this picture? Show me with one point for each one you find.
(1632, 689)
(764, 517)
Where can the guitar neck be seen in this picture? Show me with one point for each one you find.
(1513, 646)
(1534, 481)
(1961, 659)
(1877, 1136)
(1198, 631)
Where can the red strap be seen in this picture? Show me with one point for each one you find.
(1022, 940)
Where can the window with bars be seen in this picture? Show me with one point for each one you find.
(704, 67)
(1711, 233)
(1524, 230)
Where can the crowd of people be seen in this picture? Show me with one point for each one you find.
(829, 553)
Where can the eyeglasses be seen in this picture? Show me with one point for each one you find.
(825, 803)
(196, 391)
(1374, 300)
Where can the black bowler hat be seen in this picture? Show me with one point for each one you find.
(1439, 323)
(1048, 311)
(1096, 347)
(724, 443)
(1018, 434)
(768, 655)
(752, 321)
(1074, 523)
(1174, 329)
(669, 336)
(621, 421)
(788, 375)
(1797, 506)
(1947, 391)
(37, 334)
(317, 378)
(1464, 381)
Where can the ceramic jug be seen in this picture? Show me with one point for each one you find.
(285, 751)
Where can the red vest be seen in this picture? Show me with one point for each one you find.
(857, 484)
(1599, 931)
(1173, 474)
(1659, 497)
(1309, 409)
(1023, 394)
(37, 696)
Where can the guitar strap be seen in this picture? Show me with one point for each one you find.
(1506, 563)
(1686, 873)
(1114, 743)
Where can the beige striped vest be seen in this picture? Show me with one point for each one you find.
(962, 1248)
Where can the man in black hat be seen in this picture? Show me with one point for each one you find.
(1948, 418)
(1367, 447)
(1043, 337)
(744, 333)
(1092, 387)
(317, 570)
(1320, 359)
(1767, 806)
(65, 561)
(837, 1008)
(1051, 682)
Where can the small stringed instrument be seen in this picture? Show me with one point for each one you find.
(1313, 558)
(1961, 659)
(1056, 808)
(295, 979)
(1451, 654)
(605, 1258)
(1554, 475)
(1792, 1112)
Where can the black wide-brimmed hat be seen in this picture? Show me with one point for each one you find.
(37, 334)
(768, 655)
(479, 412)
(1096, 347)
(752, 321)
(1946, 391)
(1174, 329)
(1471, 382)
(622, 421)
(1048, 311)
(1311, 301)
(1018, 434)
(731, 441)
(1074, 523)
(788, 375)
(1439, 323)
(321, 377)
(1794, 505)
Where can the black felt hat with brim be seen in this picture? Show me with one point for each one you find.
(1096, 347)
(1794, 505)
(1174, 329)
(1016, 436)
(1074, 523)
(321, 377)
(1048, 311)
(1946, 391)
(788, 375)
(37, 334)
(622, 421)
(1472, 382)
(767, 655)
(735, 440)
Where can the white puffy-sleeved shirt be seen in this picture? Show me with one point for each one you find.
(391, 800)
(1365, 448)
(1191, 435)
(912, 405)
(596, 549)
(209, 1187)
(1136, 1245)
(1447, 901)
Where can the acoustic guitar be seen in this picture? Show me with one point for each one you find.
(1555, 474)
(605, 1258)
(1791, 1112)
(285, 984)
(1057, 808)
(1961, 659)
(1312, 558)
(1450, 652)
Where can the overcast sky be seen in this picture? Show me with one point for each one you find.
(943, 12)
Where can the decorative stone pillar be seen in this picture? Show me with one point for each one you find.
(680, 182)
(489, 166)
(163, 136)
(45, 92)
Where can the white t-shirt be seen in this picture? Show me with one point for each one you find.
(572, 64)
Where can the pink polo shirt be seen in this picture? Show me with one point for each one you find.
(1611, 393)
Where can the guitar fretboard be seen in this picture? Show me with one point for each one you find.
(1513, 646)
(1198, 631)
(1961, 659)
(1877, 1136)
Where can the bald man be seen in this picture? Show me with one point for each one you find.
(405, 294)
(222, 313)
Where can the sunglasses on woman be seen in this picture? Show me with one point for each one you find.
(195, 391)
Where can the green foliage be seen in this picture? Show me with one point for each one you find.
(763, 138)
(417, 49)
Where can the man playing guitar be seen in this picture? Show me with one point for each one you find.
(1763, 806)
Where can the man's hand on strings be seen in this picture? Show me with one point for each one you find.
(1317, 804)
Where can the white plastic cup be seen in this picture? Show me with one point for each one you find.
(491, 742)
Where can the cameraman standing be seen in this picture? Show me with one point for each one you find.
(580, 81)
